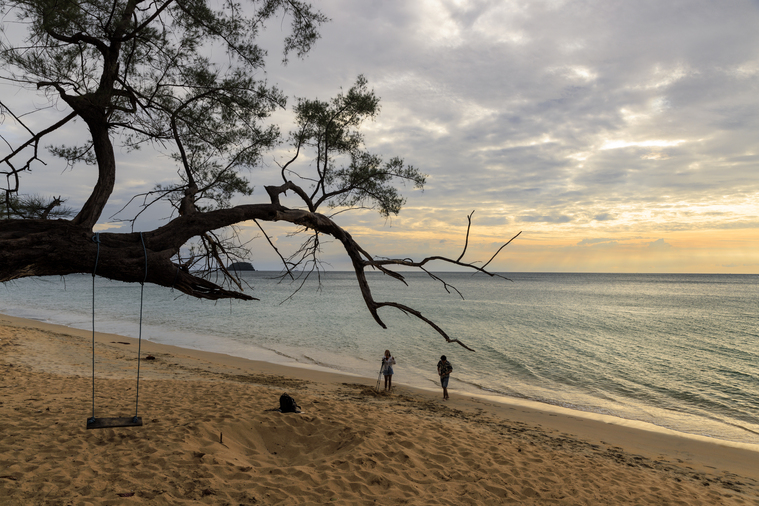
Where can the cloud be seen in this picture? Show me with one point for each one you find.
(608, 119)
(588, 242)
(102, 227)
(659, 244)
(544, 219)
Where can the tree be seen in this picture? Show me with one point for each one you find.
(140, 71)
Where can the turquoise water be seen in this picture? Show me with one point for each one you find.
(677, 351)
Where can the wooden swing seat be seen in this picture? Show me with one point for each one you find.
(104, 423)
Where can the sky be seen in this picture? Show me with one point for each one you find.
(616, 136)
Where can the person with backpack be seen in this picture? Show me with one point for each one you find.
(444, 370)
(387, 369)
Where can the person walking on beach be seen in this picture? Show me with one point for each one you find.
(444, 370)
(387, 369)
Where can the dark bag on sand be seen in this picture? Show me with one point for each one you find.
(288, 405)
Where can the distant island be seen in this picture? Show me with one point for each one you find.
(241, 266)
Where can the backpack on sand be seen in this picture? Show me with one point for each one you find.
(287, 404)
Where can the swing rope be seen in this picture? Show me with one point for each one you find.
(95, 238)
(139, 340)
(93, 422)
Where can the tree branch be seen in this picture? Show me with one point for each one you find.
(466, 240)
(63, 247)
(35, 140)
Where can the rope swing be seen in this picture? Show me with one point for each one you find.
(128, 421)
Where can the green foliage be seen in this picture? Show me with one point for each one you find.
(151, 72)
(33, 207)
(348, 175)
(145, 71)
(74, 154)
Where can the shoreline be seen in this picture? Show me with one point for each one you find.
(715, 402)
(47, 354)
(293, 366)
(320, 373)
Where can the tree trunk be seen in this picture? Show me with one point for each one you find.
(106, 163)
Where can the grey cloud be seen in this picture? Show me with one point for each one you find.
(736, 225)
(678, 55)
(491, 220)
(544, 219)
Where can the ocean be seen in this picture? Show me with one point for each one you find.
(677, 351)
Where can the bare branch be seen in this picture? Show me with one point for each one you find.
(275, 191)
(268, 239)
(499, 249)
(466, 241)
(217, 249)
(34, 140)
(426, 320)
